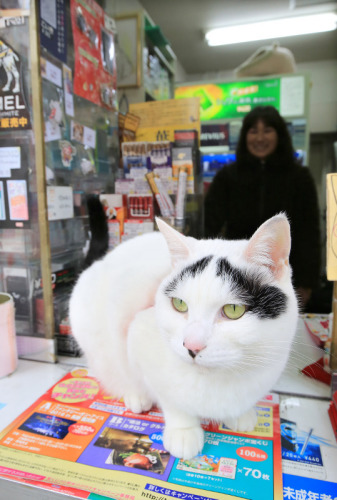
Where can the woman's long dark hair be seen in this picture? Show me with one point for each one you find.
(284, 153)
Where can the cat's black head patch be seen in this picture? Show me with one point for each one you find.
(192, 270)
(266, 301)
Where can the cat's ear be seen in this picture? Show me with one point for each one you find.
(180, 246)
(270, 246)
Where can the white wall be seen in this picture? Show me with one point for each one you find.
(323, 91)
(323, 95)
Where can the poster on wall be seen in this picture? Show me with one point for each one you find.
(232, 100)
(95, 76)
(53, 28)
(14, 189)
(14, 114)
(53, 100)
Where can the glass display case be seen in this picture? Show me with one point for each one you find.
(58, 145)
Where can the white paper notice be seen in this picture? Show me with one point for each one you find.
(60, 202)
(68, 90)
(48, 12)
(89, 137)
(5, 171)
(51, 72)
(10, 157)
(292, 96)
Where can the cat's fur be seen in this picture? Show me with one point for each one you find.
(196, 364)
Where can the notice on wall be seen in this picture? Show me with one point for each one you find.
(60, 202)
(292, 93)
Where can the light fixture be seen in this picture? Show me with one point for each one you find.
(277, 28)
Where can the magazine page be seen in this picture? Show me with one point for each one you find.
(309, 450)
(76, 436)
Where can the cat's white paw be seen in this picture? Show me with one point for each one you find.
(245, 422)
(137, 402)
(184, 443)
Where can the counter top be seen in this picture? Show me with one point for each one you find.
(31, 379)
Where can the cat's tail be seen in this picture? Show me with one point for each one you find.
(99, 234)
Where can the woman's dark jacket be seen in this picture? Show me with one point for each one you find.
(242, 197)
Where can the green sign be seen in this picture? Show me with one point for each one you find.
(233, 99)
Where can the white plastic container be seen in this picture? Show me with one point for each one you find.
(8, 349)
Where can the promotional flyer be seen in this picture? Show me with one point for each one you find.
(76, 436)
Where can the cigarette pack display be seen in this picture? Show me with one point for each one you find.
(164, 201)
(181, 197)
(115, 208)
(124, 186)
(182, 158)
(186, 138)
(136, 227)
(189, 139)
(140, 206)
(135, 155)
(159, 155)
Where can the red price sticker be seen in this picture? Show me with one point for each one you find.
(252, 454)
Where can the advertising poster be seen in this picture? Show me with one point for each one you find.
(77, 436)
(14, 114)
(94, 49)
(160, 119)
(309, 452)
(53, 29)
(232, 100)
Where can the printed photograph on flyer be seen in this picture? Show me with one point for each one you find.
(130, 445)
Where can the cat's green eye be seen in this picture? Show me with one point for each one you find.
(179, 305)
(234, 311)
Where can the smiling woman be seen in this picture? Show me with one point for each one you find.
(261, 140)
(265, 180)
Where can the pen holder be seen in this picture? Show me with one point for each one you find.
(8, 349)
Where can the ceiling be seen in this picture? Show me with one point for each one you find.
(184, 21)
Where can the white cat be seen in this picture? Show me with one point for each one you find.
(202, 328)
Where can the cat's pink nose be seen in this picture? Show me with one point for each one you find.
(191, 352)
(195, 338)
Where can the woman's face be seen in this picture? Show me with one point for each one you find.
(261, 140)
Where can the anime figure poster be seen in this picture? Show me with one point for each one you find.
(14, 113)
(95, 76)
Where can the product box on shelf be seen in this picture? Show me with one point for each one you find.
(115, 208)
(136, 227)
(125, 186)
(140, 158)
(140, 206)
(114, 233)
(185, 154)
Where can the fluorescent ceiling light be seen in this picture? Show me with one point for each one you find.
(278, 28)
